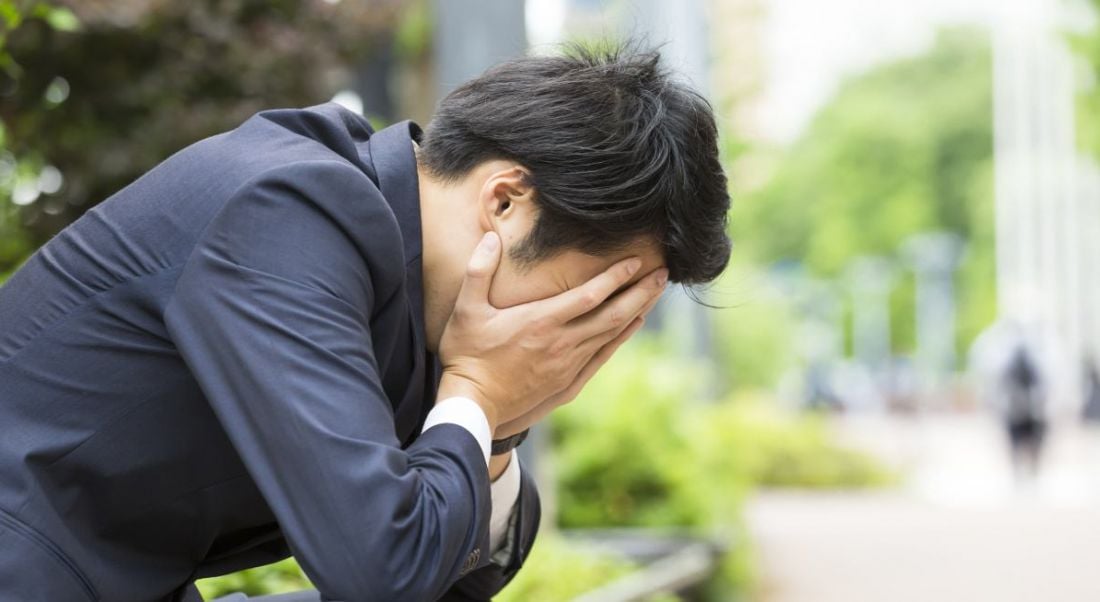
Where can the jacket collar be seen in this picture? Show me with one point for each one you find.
(391, 154)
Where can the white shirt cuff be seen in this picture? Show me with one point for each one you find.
(464, 412)
(505, 493)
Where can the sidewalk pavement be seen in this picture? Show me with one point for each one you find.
(959, 530)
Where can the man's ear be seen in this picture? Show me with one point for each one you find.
(507, 203)
(505, 188)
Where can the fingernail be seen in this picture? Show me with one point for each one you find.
(662, 277)
(633, 265)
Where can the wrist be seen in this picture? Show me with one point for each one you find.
(452, 385)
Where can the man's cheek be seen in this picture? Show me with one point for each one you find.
(508, 290)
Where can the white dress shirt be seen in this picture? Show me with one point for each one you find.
(505, 489)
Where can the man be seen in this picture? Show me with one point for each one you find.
(301, 336)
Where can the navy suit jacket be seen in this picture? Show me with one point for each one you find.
(224, 363)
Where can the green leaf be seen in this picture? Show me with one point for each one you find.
(62, 19)
(10, 14)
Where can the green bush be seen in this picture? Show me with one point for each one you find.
(280, 577)
(770, 449)
(564, 571)
(755, 340)
(639, 448)
(623, 451)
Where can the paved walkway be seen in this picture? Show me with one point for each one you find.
(959, 530)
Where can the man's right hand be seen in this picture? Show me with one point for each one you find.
(510, 360)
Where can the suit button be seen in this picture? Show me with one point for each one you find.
(471, 561)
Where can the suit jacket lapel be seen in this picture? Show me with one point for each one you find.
(391, 153)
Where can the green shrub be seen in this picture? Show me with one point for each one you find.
(280, 577)
(564, 570)
(622, 449)
(771, 449)
(559, 570)
(639, 448)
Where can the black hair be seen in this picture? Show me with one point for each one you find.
(616, 149)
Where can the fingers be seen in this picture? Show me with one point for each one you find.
(582, 299)
(604, 354)
(615, 315)
(479, 272)
(590, 369)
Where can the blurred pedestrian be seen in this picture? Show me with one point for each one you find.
(1015, 378)
(1092, 390)
(1023, 410)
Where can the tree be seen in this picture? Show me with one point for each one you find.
(901, 149)
(99, 104)
(1086, 45)
(15, 171)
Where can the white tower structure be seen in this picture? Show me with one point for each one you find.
(1047, 193)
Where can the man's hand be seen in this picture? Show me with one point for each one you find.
(512, 360)
(570, 393)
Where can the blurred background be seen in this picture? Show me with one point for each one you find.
(894, 395)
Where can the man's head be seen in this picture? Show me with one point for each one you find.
(577, 161)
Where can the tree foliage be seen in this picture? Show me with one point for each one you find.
(15, 243)
(1086, 45)
(902, 149)
(103, 90)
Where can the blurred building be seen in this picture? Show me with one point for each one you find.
(737, 66)
(1047, 193)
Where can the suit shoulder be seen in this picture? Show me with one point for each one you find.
(310, 133)
(311, 221)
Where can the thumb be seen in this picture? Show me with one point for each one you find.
(479, 271)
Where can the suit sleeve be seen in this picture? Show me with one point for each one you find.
(485, 582)
(271, 313)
